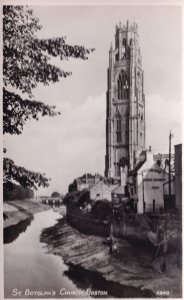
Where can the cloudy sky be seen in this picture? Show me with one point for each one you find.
(72, 144)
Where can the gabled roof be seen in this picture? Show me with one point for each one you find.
(101, 182)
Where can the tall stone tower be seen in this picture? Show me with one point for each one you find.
(125, 114)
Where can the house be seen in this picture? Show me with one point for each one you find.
(84, 182)
(151, 184)
(100, 191)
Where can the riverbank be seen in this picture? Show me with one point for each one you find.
(21, 210)
(130, 268)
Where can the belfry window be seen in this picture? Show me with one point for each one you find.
(123, 86)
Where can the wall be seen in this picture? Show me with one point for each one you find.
(82, 186)
(166, 186)
(85, 223)
(100, 191)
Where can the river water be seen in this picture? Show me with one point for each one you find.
(29, 270)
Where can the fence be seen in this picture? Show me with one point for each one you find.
(85, 223)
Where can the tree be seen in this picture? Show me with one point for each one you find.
(13, 191)
(55, 195)
(26, 62)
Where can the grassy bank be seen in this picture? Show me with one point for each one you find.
(20, 210)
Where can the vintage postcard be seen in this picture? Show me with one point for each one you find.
(92, 150)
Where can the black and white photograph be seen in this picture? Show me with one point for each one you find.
(92, 150)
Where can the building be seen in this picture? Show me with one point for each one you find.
(163, 159)
(84, 182)
(152, 186)
(178, 176)
(125, 114)
(138, 173)
(100, 191)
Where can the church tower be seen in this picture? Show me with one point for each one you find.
(125, 111)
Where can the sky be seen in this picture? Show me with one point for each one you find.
(69, 145)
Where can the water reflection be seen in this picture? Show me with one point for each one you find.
(96, 282)
(11, 233)
(28, 265)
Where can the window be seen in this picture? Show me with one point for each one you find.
(124, 42)
(123, 86)
(118, 123)
(118, 134)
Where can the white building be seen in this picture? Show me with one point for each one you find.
(151, 180)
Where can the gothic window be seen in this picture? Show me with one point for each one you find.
(124, 49)
(131, 42)
(123, 86)
(118, 135)
(118, 123)
(117, 56)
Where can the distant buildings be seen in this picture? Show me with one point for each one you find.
(163, 159)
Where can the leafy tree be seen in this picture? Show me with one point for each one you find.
(26, 62)
(13, 191)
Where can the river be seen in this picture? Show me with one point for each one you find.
(29, 270)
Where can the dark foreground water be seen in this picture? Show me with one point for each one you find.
(29, 271)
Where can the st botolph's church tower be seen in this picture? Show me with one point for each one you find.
(125, 115)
